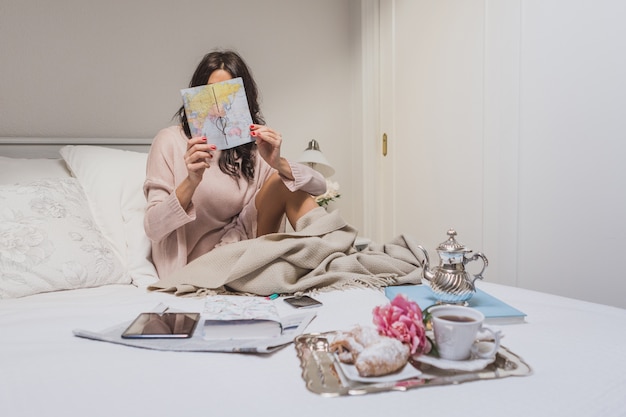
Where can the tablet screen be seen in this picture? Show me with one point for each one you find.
(162, 326)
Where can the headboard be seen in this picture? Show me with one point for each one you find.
(25, 147)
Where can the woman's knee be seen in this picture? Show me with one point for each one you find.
(272, 190)
(274, 200)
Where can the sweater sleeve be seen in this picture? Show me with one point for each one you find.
(164, 214)
(306, 179)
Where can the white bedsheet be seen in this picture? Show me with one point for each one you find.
(575, 349)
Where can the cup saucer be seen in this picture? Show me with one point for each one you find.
(468, 365)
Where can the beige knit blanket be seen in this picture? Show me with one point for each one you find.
(318, 255)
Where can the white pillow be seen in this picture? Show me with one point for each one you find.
(20, 170)
(49, 240)
(113, 181)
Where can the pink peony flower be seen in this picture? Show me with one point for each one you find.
(402, 319)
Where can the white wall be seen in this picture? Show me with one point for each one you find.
(555, 139)
(572, 179)
(508, 125)
(113, 69)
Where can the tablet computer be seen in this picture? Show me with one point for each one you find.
(162, 326)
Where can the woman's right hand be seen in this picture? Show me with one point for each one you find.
(197, 158)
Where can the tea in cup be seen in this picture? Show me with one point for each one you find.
(458, 330)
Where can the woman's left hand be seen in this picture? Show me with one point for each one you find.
(268, 142)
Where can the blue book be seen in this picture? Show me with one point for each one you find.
(495, 310)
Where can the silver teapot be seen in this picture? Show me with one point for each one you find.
(450, 282)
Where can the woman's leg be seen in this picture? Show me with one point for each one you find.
(275, 200)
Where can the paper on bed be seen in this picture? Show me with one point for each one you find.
(293, 325)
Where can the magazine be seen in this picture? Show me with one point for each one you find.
(291, 325)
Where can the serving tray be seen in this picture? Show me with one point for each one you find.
(323, 376)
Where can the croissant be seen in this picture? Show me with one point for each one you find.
(348, 345)
(371, 353)
(383, 357)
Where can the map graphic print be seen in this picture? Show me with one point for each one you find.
(220, 112)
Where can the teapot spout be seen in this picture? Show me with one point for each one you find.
(427, 273)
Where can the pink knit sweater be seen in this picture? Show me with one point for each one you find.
(222, 209)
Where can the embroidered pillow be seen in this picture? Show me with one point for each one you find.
(49, 240)
(20, 170)
(113, 181)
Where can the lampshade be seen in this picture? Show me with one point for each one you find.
(313, 157)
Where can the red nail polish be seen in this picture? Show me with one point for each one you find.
(253, 134)
(203, 138)
(251, 127)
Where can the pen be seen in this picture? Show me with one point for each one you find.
(272, 297)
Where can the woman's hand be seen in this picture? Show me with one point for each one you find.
(268, 142)
(197, 160)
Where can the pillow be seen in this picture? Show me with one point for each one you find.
(18, 170)
(49, 240)
(113, 181)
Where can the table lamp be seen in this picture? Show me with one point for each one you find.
(313, 157)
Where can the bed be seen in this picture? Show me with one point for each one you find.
(574, 348)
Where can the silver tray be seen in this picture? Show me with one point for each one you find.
(321, 372)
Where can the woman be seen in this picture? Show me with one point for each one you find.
(200, 197)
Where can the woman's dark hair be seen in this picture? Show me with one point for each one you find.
(231, 62)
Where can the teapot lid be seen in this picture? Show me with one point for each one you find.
(451, 245)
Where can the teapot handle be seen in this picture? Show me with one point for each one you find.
(426, 272)
(485, 264)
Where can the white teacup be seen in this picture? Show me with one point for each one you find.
(458, 330)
